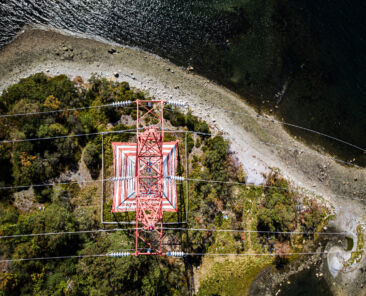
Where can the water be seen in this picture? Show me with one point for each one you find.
(305, 283)
(302, 59)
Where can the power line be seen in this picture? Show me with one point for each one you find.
(66, 232)
(92, 134)
(302, 128)
(262, 254)
(114, 104)
(183, 254)
(44, 185)
(260, 186)
(51, 258)
(164, 228)
(66, 136)
(171, 110)
(183, 131)
(189, 179)
(254, 231)
(61, 110)
(309, 152)
(316, 132)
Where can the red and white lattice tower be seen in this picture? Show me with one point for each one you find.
(145, 185)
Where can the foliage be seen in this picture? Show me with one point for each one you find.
(357, 254)
(92, 159)
(277, 213)
(230, 277)
(70, 207)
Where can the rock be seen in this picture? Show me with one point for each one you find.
(68, 56)
(47, 70)
(78, 80)
(112, 51)
(176, 87)
(115, 74)
(64, 48)
(190, 68)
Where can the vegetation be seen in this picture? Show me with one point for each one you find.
(356, 255)
(73, 207)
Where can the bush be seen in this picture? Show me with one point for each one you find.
(43, 195)
(277, 213)
(92, 159)
(190, 143)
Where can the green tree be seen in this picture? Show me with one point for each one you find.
(92, 159)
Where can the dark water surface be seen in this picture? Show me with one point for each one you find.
(304, 60)
(305, 283)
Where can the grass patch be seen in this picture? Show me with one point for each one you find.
(229, 277)
(356, 256)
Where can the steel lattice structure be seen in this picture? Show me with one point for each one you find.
(145, 173)
(149, 177)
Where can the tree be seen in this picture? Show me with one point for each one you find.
(277, 213)
(92, 159)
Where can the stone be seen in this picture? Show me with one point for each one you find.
(116, 74)
(190, 68)
(112, 51)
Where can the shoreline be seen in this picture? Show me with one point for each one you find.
(259, 145)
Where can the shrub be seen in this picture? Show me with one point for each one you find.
(92, 159)
(190, 143)
(43, 195)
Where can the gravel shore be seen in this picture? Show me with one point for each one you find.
(258, 144)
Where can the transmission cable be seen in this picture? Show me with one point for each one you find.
(66, 232)
(259, 186)
(189, 179)
(253, 231)
(184, 254)
(64, 110)
(66, 136)
(303, 128)
(263, 254)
